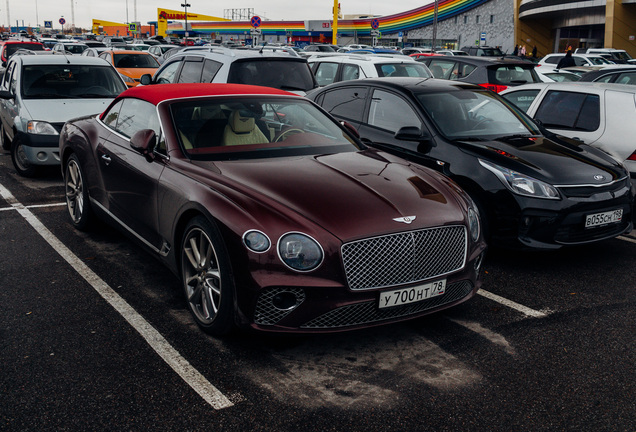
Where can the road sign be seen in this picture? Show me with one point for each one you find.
(375, 23)
(375, 33)
(482, 38)
(62, 21)
(256, 21)
(48, 24)
(256, 32)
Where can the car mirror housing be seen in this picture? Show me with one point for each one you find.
(144, 142)
(4, 94)
(146, 79)
(411, 133)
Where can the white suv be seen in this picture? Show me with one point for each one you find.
(223, 65)
(345, 67)
(612, 54)
(579, 59)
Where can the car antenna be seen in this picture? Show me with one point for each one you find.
(261, 51)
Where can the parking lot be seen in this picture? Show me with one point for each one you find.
(96, 335)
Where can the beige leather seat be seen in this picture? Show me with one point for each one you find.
(242, 130)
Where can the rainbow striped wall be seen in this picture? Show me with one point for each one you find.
(412, 19)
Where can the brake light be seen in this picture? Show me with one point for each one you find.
(632, 157)
(494, 87)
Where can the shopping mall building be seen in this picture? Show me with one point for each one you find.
(550, 25)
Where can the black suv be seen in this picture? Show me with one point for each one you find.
(222, 65)
(496, 74)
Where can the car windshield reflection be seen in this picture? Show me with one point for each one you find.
(248, 128)
(70, 81)
(475, 115)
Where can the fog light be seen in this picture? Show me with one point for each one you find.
(478, 263)
(285, 300)
(41, 156)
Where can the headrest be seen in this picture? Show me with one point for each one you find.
(241, 124)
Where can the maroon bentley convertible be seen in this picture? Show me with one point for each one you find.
(272, 214)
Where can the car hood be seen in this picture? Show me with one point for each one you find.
(549, 161)
(62, 110)
(349, 194)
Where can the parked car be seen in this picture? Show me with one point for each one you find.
(131, 65)
(579, 59)
(328, 70)
(94, 44)
(616, 75)
(416, 50)
(483, 51)
(617, 56)
(495, 74)
(69, 48)
(201, 175)
(159, 50)
(599, 114)
(223, 65)
(449, 52)
(321, 48)
(532, 190)
(7, 48)
(548, 74)
(39, 93)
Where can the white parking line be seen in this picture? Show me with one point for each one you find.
(628, 239)
(519, 307)
(156, 341)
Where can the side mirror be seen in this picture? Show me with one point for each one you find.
(5, 94)
(146, 79)
(144, 142)
(411, 133)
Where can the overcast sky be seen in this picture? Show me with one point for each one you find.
(33, 12)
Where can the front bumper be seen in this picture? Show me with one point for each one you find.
(40, 149)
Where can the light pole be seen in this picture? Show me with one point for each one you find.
(186, 6)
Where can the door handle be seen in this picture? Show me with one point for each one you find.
(107, 160)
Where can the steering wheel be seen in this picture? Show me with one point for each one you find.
(481, 122)
(286, 133)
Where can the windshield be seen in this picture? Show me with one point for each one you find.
(135, 61)
(70, 81)
(278, 73)
(256, 128)
(475, 114)
(599, 60)
(411, 69)
(75, 49)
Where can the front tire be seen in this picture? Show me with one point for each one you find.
(207, 278)
(22, 165)
(77, 200)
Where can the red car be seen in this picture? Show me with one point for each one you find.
(8, 48)
(273, 215)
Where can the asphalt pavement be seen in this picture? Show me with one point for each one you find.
(95, 335)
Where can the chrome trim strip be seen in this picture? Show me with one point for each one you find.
(592, 185)
(116, 219)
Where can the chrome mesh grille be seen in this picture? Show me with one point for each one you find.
(266, 313)
(404, 257)
(368, 312)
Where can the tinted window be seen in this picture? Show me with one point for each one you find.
(191, 71)
(345, 103)
(390, 112)
(12, 48)
(442, 68)
(567, 110)
(326, 73)
(523, 98)
(135, 61)
(278, 73)
(210, 68)
(512, 75)
(627, 78)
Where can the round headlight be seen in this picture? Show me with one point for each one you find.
(256, 241)
(300, 252)
(473, 224)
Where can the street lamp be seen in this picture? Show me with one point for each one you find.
(186, 6)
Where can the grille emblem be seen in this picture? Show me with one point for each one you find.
(405, 219)
(599, 177)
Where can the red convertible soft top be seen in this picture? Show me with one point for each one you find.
(160, 92)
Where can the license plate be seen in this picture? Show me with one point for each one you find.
(411, 295)
(604, 218)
